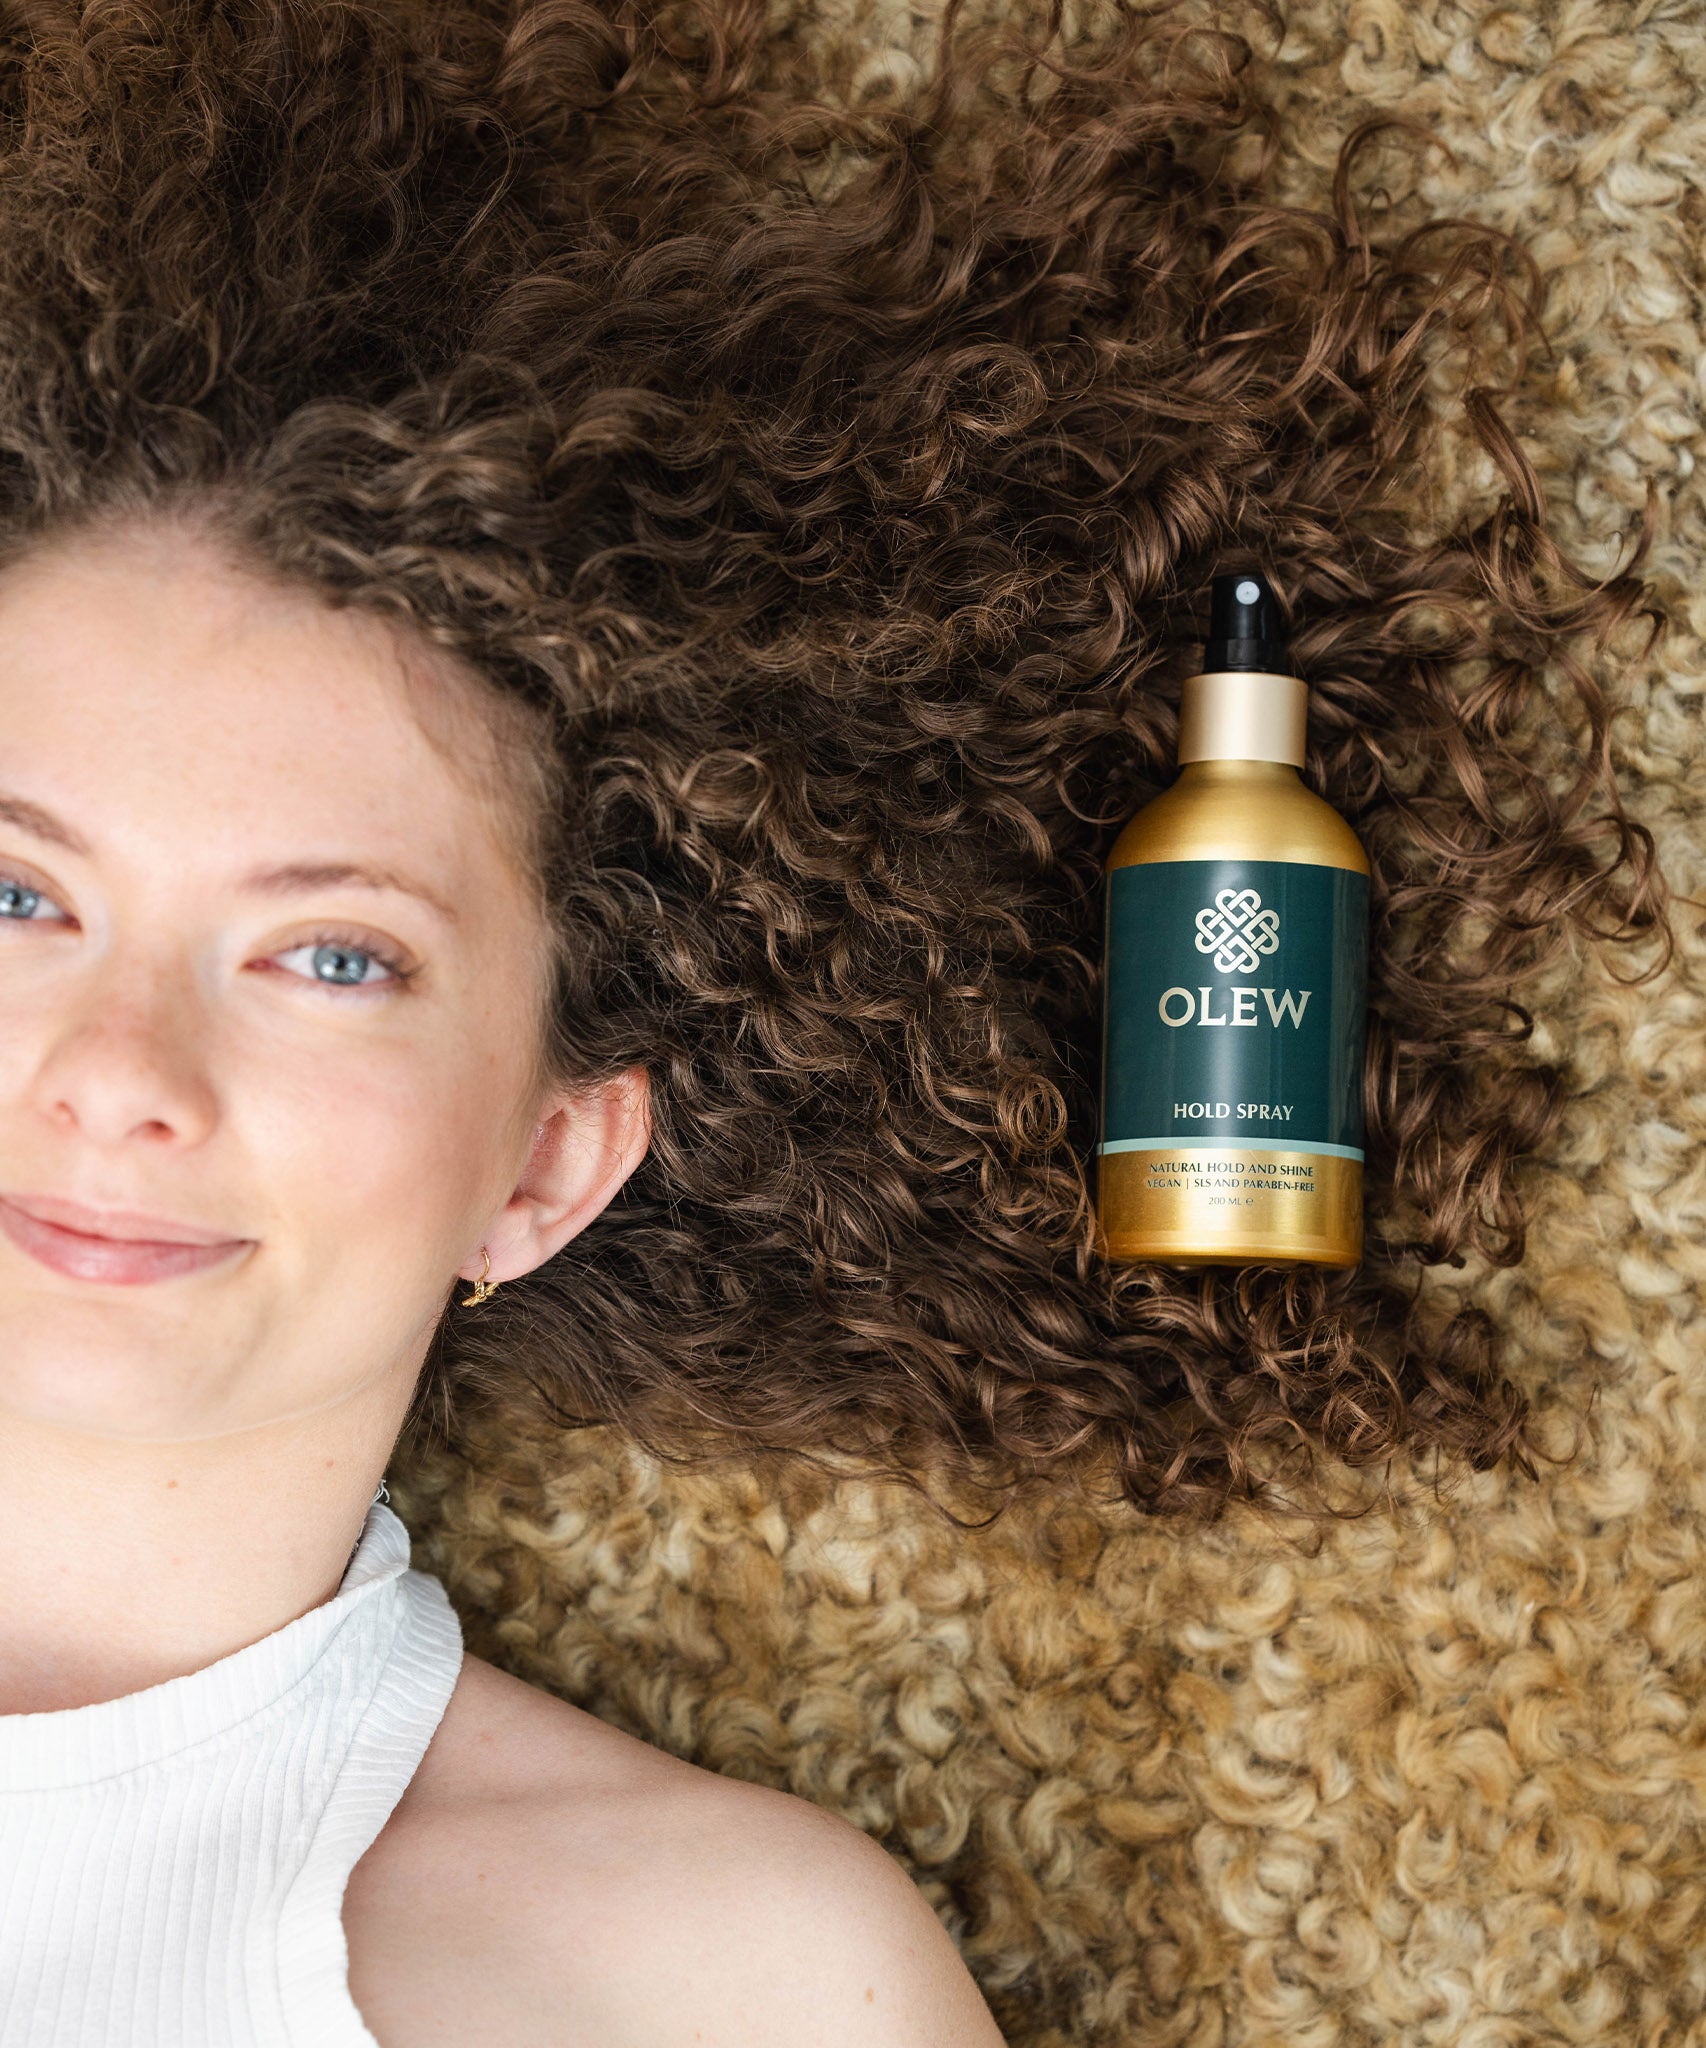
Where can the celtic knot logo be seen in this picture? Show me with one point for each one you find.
(1237, 931)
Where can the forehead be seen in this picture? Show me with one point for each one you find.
(154, 688)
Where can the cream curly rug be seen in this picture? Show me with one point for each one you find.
(1439, 1774)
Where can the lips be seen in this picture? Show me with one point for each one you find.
(123, 1247)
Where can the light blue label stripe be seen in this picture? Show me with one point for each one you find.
(1225, 1145)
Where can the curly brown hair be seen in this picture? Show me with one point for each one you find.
(837, 484)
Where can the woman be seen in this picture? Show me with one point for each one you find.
(276, 974)
(564, 647)
(274, 997)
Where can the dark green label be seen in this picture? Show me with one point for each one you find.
(1235, 994)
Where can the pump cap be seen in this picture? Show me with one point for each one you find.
(1245, 629)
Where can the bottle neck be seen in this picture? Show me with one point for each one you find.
(1243, 715)
(1206, 774)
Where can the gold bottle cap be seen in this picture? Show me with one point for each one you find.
(1243, 715)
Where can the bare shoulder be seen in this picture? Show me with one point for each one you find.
(622, 1898)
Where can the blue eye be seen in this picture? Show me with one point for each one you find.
(20, 902)
(344, 964)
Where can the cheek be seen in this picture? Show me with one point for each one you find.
(372, 1152)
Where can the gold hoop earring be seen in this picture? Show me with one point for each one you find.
(482, 1286)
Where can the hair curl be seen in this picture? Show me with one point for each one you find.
(839, 490)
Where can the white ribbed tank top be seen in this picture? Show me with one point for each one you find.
(173, 1863)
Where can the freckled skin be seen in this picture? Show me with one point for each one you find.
(363, 1136)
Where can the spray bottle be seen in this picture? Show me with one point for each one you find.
(1236, 967)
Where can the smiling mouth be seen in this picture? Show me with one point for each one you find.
(114, 1246)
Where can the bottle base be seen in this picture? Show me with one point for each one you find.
(1221, 1204)
(1248, 1253)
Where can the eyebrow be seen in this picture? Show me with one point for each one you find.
(293, 879)
(42, 825)
(301, 876)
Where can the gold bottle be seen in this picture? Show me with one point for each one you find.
(1236, 963)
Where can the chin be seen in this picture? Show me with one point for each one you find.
(103, 1367)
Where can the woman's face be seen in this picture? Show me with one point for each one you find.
(270, 979)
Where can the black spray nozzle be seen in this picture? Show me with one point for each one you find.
(1245, 629)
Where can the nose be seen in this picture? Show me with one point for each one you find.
(126, 1064)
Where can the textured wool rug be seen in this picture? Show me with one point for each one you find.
(1438, 1773)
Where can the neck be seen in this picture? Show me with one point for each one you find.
(128, 1564)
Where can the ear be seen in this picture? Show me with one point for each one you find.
(585, 1145)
